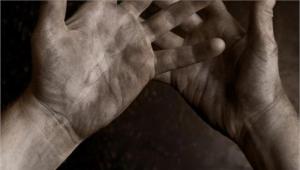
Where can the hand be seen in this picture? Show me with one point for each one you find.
(88, 69)
(239, 92)
(240, 85)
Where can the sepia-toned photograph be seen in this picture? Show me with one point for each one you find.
(150, 85)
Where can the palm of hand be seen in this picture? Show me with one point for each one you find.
(91, 67)
(236, 86)
(103, 55)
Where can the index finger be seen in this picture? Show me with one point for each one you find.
(169, 18)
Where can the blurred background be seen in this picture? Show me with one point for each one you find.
(159, 131)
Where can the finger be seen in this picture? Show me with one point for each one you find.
(114, 2)
(164, 77)
(136, 7)
(188, 25)
(191, 23)
(261, 22)
(165, 3)
(169, 18)
(171, 59)
(216, 9)
(169, 40)
(53, 13)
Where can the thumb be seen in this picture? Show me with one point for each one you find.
(261, 22)
(52, 14)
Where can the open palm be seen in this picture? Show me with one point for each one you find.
(88, 69)
(240, 85)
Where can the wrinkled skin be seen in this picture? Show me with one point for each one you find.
(96, 65)
(239, 93)
(240, 85)
(89, 69)
(86, 71)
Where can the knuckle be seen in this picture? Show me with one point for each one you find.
(271, 48)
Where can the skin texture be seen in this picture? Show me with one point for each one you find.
(240, 92)
(91, 68)
(86, 71)
(206, 85)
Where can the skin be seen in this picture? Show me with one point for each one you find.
(90, 69)
(86, 71)
(239, 93)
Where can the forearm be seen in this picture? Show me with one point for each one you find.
(32, 138)
(272, 142)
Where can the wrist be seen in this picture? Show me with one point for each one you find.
(270, 140)
(55, 128)
(30, 132)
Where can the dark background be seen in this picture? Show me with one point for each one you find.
(159, 131)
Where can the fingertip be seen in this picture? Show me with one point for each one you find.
(217, 45)
(268, 4)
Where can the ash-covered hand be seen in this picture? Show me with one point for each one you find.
(239, 92)
(88, 69)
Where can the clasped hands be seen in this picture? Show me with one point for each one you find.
(88, 69)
